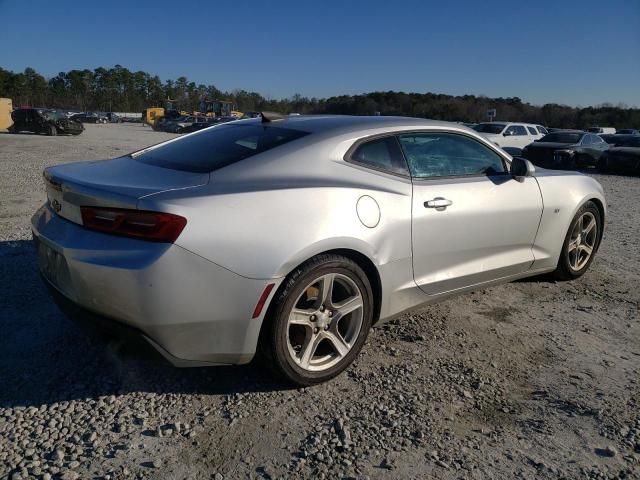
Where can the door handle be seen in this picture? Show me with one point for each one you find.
(438, 202)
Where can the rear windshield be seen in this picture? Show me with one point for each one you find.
(489, 127)
(560, 137)
(217, 147)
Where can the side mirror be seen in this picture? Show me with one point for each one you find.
(507, 134)
(522, 168)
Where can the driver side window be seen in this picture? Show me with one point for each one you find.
(447, 154)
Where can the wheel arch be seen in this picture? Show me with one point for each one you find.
(362, 260)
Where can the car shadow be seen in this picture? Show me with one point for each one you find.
(46, 358)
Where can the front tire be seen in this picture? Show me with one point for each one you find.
(580, 244)
(319, 320)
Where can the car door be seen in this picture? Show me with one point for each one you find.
(471, 221)
(516, 136)
(599, 146)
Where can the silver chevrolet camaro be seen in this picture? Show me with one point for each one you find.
(293, 236)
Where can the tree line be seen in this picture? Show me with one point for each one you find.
(119, 89)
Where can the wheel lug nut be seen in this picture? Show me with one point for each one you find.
(330, 313)
(326, 327)
(312, 318)
(316, 330)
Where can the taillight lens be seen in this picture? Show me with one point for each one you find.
(154, 226)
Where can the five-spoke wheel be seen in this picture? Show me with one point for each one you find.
(581, 243)
(320, 319)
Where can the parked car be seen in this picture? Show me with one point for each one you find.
(601, 130)
(179, 125)
(513, 151)
(509, 134)
(42, 120)
(250, 115)
(610, 138)
(113, 117)
(294, 235)
(628, 131)
(623, 157)
(90, 117)
(566, 149)
(209, 122)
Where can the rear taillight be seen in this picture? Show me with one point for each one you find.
(154, 226)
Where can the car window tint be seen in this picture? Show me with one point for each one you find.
(596, 139)
(217, 147)
(517, 130)
(383, 153)
(446, 154)
(542, 130)
(532, 131)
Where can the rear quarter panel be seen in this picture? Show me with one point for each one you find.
(263, 216)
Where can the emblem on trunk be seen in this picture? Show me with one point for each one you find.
(57, 206)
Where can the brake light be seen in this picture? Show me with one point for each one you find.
(154, 226)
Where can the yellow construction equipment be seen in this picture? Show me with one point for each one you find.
(6, 107)
(219, 108)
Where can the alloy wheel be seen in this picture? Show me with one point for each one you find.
(583, 240)
(325, 322)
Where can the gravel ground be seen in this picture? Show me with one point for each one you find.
(535, 379)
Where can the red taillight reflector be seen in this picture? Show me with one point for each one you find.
(262, 300)
(154, 226)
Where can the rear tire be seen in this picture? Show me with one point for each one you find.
(319, 320)
(580, 244)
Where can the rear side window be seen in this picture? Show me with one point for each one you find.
(217, 147)
(542, 130)
(382, 153)
(532, 131)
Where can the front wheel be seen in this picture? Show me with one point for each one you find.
(319, 320)
(580, 244)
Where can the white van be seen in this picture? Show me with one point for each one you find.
(601, 130)
(507, 134)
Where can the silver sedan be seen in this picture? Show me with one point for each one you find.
(294, 235)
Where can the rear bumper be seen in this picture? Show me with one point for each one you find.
(191, 310)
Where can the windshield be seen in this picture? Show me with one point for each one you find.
(217, 147)
(52, 114)
(489, 127)
(562, 137)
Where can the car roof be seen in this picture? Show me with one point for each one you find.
(338, 124)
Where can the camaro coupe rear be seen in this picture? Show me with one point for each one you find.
(293, 236)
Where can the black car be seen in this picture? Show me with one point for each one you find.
(566, 149)
(112, 117)
(89, 117)
(629, 131)
(623, 157)
(42, 120)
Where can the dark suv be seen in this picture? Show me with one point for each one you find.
(42, 120)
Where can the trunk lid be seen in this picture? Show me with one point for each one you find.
(117, 183)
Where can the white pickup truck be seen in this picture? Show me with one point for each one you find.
(506, 134)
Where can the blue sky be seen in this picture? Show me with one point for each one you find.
(576, 52)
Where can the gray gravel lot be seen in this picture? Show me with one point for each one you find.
(534, 379)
